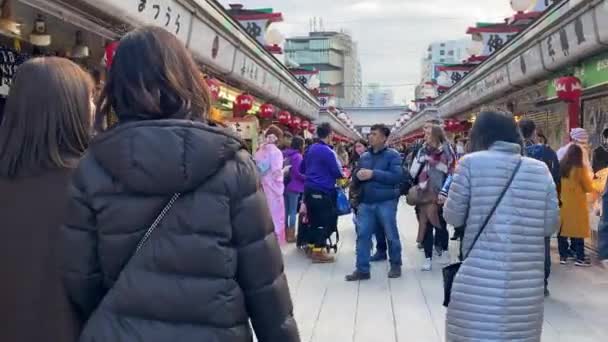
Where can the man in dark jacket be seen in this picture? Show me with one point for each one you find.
(322, 169)
(380, 173)
(545, 154)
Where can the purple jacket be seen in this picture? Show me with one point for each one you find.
(297, 179)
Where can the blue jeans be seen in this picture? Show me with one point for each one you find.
(370, 218)
(291, 208)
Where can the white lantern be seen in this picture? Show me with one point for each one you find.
(521, 5)
(342, 116)
(314, 83)
(429, 90)
(406, 117)
(274, 37)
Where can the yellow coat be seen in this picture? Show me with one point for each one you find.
(575, 210)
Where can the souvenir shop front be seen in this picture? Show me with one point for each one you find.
(31, 28)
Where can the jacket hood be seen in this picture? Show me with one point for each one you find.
(290, 152)
(164, 156)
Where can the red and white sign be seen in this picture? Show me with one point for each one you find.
(214, 88)
(244, 102)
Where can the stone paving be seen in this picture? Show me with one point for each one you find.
(328, 309)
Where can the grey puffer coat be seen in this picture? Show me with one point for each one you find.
(211, 267)
(498, 292)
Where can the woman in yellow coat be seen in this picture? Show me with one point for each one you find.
(576, 183)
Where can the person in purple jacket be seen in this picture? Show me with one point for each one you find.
(294, 185)
(322, 169)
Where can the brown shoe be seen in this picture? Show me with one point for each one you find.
(319, 256)
(291, 235)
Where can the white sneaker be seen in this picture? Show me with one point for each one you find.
(427, 265)
(444, 258)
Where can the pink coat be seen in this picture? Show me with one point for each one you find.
(270, 162)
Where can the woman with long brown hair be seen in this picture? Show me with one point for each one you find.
(437, 162)
(169, 236)
(44, 133)
(576, 183)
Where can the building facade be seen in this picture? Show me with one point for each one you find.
(334, 55)
(442, 53)
(379, 97)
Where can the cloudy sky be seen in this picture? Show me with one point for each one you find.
(392, 34)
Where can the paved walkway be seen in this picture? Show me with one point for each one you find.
(328, 309)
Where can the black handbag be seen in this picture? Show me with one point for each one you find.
(449, 272)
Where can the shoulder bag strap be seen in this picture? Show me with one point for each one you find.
(487, 220)
(156, 222)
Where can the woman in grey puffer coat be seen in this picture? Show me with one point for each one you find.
(498, 293)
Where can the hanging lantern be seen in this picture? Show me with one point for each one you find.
(342, 116)
(214, 88)
(521, 6)
(109, 53)
(312, 128)
(569, 88)
(295, 122)
(284, 118)
(266, 111)
(244, 102)
(305, 124)
(40, 36)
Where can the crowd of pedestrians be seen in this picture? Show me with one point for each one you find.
(156, 225)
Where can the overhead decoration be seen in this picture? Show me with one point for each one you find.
(295, 122)
(214, 88)
(257, 22)
(570, 89)
(39, 35)
(267, 111)
(284, 118)
(305, 124)
(7, 22)
(492, 36)
(110, 52)
(243, 102)
(80, 49)
(312, 128)
(522, 5)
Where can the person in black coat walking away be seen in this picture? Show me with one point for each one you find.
(213, 264)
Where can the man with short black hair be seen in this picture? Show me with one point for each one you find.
(322, 169)
(549, 157)
(380, 174)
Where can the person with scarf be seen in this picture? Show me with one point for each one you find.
(269, 160)
(438, 162)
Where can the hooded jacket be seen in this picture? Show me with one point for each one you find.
(296, 183)
(211, 265)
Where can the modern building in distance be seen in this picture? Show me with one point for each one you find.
(442, 53)
(334, 55)
(379, 97)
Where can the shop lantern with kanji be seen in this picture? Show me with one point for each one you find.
(570, 89)
(266, 111)
(244, 102)
(305, 124)
(284, 118)
(312, 128)
(295, 123)
(214, 88)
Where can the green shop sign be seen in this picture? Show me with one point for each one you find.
(592, 72)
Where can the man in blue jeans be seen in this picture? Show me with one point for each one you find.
(380, 174)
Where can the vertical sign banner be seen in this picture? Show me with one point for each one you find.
(256, 29)
(493, 41)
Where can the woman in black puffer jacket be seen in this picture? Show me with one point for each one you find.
(213, 264)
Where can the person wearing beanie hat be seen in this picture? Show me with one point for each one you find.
(577, 136)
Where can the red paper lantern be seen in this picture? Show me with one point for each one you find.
(568, 88)
(266, 111)
(109, 53)
(312, 128)
(284, 118)
(214, 88)
(244, 102)
(305, 124)
(295, 122)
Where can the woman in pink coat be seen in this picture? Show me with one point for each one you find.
(270, 164)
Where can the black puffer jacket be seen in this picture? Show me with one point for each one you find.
(212, 264)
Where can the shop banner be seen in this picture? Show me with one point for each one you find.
(211, 47)
(256, 29)
(449, 76)
(168, 14)
(526, 66)
(570, 42)
(592, 72)
(493, 41)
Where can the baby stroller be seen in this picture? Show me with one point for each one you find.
(305, 237)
